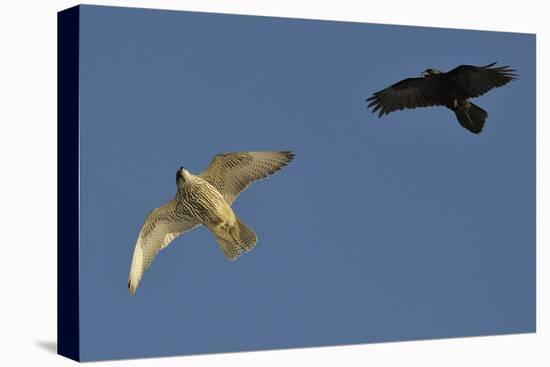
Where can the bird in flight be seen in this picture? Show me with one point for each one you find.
(206, 199)
(451, 89)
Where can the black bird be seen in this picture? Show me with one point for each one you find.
(451, 89)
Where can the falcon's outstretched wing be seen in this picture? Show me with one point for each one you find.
(410, 93)
(477, 80)
(231, 173)
(161, 227)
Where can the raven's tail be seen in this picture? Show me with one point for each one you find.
(471, 118)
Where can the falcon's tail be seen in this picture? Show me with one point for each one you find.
(471, 118)
(240, 238)
(246, 238)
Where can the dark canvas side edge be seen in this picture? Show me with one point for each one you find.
(68, 331)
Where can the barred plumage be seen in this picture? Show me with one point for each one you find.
(206, 200)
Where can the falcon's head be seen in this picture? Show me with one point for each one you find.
(182, 175)
(430, 71)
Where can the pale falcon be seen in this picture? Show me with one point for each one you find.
(206, 199)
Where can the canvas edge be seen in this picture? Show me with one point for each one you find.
(300, 18)
(68, 326)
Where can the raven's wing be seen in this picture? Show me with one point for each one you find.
(231, 173)
(161, 227)
(410, 93)
(477, 80)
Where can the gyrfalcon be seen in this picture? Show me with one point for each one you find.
(206, 199)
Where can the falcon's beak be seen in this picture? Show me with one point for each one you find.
(180, 178)
(180, 172)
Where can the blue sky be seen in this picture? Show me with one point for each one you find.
(405, 227)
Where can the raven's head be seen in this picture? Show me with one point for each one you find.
(429, 72)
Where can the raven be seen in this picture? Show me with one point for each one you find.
(451, 89)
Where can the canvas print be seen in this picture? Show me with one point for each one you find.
(233, 183)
